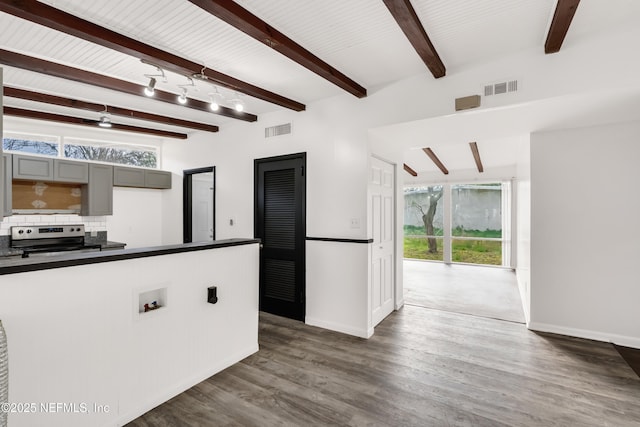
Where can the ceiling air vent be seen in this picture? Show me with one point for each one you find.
(501, 87)
(277, 130)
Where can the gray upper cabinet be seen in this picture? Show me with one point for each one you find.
(31, 167)
(97, 195)
(157, 179)
(128, 177)
(69, 171)
(141, 178)
(47, 169)
(6, 199)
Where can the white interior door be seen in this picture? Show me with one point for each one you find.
(382, 205)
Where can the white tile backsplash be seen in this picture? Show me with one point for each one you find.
(91, 223)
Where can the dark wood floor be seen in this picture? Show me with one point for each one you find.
(422, 367)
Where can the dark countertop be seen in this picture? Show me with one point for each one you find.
(109, 245)
(17, 264)
(11, 252)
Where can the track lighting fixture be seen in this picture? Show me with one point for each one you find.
(150, 89)
(201, 75)
(105, 121)
(238, 105)
(215, 100)
(182, 98)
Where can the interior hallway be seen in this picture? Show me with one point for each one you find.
(466, 289)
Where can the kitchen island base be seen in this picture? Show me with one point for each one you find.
(82, 357)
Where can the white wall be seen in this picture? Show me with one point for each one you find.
(137, 217)
(75, 335)
(336, 292)
(336, 146)
(584, 241)
(336, 134)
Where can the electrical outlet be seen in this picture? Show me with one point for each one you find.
(355, 223)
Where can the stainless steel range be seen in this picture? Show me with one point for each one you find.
(50, 240)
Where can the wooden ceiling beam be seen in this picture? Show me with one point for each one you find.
(70, 73)
(429, 152)
(98, 108)
(240, 18)
(406, 17)
(48, 16)
(476, 156)
(409, 170)
(562, 17)
(58, 118)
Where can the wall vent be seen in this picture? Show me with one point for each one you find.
(501, 87)
(277, 130)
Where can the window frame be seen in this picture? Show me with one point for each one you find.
(62, 141)
(506, 187)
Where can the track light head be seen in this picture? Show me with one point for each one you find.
(104, 122)
(182, 98)
(238, 105)
(150, 89)
(215, 100)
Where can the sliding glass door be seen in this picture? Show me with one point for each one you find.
(476, 223)
(424, 223)
(461, 223)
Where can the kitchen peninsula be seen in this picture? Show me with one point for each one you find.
(79, 336)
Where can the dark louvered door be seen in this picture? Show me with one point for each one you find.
(280, 224)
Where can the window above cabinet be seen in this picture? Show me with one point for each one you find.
(119, 153)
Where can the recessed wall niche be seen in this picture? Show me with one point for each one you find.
(35, 197)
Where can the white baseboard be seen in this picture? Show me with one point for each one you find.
(338, 327)
(164, 395)
(399, 304)
(621, 340)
